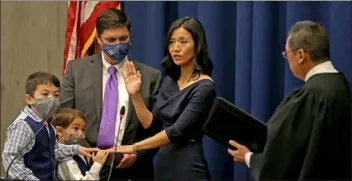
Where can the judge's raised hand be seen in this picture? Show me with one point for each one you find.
(133, 79)
(239, 154)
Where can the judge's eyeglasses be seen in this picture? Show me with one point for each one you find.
(284, 53)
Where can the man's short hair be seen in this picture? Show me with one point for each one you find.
(312, 38)
(112, 18)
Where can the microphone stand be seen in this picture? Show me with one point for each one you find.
(115, 145)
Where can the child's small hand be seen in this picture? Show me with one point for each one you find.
(87, 151)
(101, 156)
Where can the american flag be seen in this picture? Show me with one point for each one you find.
(80, 28)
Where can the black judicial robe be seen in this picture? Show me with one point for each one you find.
(309, 135)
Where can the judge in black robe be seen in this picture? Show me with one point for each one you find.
(309, 135)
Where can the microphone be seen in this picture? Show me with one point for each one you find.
(122, 114)
(25, 146)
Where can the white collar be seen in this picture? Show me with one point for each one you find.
(325, 67)
(106, 64)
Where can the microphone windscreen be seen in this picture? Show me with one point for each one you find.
(122, 110)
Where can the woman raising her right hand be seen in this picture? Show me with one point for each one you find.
(183, 103)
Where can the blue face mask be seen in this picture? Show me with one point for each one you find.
(117, 52)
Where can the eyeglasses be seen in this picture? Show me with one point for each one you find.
(284, 53)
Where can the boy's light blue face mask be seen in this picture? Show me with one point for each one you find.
(73, 139)
(117, 52)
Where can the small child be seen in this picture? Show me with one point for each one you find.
(70, 127)
(38, 159)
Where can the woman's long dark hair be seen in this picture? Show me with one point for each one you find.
(202, 62)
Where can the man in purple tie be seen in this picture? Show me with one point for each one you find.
(95, 86)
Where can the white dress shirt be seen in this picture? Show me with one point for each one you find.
(123, 97)
(69, 170)
(325, 67)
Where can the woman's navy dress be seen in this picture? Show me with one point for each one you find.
(182, 113)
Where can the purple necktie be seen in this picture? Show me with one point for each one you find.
(106, 135)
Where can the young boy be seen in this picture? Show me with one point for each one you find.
(38, 160)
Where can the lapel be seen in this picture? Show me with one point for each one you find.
(96, 77)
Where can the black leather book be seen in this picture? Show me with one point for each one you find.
(226, 121)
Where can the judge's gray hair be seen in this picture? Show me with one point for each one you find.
(312, 38)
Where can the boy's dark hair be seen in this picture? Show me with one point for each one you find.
(64, 117)
(112, 18)
(39, 78)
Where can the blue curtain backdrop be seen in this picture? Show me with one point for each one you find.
(245, 41)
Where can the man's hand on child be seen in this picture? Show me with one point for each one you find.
(87, 151)
(101, 156)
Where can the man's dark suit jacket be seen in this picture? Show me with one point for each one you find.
(82, 90)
